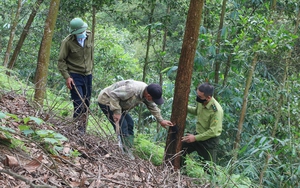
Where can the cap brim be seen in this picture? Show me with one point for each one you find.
(158, 101)
(80, 30)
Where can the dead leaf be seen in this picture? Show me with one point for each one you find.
(34, 164)
(10, 161)
(66, 150)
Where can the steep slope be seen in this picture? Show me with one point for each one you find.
(49, 160)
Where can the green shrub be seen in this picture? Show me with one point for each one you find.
(148, 150)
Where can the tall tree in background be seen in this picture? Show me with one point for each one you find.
(183, 82)
(245, 101)
(152, 5)
(12, 33)
(284, 84)
(218, 41)
(24, 34)
(44, 53)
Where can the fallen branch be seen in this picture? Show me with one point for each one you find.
(19, 177)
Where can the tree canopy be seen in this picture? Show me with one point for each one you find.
(249, 51)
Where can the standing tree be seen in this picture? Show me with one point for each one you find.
(44, 53)
(183, 82)
(12, 33)
(218, 41)
(24, 35)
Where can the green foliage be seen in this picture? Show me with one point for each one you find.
(8, 135)
(120, 49)
(219, 176)
(114, 57)
(74, 153)
(148, 150)
(49, 138)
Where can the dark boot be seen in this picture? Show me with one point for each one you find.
(82, 123)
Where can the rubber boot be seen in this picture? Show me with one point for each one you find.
(128, 145)
(82, 121)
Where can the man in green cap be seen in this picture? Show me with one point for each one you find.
(75, 63)
(208, 128)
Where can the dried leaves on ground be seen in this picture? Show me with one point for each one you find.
(99, 162)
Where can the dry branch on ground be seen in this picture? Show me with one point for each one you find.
(100, 163)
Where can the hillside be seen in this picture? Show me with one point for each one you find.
(79, 161)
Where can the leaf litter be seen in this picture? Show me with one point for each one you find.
(99, 162)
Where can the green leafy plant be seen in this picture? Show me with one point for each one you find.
(74, 153)
(7, 133)
(148, 150)
(50, 139)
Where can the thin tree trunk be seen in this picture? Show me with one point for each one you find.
(24, 35)
(217, 68)
(206, 16)
(284, 79)
(94, 23)
(244, 106)
(183, 83)
(146, 63)
(44, 54)
(164, 44)
(12, 33)
(228, 63)
(273, 6)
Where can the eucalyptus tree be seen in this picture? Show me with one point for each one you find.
(12, 33)
(24, 34)
(218, 40)
(44, 54)
(183, 82)
(255, 41)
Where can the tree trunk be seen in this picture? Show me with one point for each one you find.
(44, 54)
(227, 68)
(24, 35)
(183, 83)
(244, 106)
(217, 68)
(146, 63)
(94, 23)
(273, 5)
(284, 79)
(12, 34)
(163, 49)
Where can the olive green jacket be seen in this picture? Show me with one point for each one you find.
(76, 59)
(125, 95)
(209, 119)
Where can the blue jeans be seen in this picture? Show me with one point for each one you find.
(81, 96)
(126, 122)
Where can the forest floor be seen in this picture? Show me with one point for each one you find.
(100, 162)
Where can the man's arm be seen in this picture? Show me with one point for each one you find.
(62, 64)
(155, 111)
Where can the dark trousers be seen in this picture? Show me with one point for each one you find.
(206, 149)
(81, 95)
(126, 122)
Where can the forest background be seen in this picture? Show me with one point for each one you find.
(249, 50)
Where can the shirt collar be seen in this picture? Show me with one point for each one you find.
(208, 105)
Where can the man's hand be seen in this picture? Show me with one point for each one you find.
(165, 123)
(188, 138)
(117, 117)
(69, 82)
